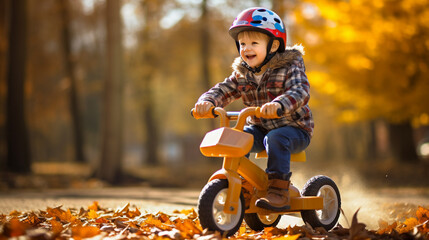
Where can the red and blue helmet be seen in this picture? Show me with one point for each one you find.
(260, 20)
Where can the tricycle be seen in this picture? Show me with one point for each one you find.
(231, 192)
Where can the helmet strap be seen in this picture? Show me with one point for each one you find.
(266, 60)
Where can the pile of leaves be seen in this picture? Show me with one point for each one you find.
(126, 223)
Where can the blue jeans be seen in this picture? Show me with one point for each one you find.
(279, 144)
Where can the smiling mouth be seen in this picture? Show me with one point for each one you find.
(250, 57)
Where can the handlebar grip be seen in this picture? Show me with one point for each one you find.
(214, 112)
(210, 114)
(280, 112)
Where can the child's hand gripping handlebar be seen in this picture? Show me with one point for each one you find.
(212, 113)
(278, 114)
(242, 115)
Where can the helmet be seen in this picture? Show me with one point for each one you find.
(261, 20)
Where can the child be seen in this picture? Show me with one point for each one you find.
(271, 76)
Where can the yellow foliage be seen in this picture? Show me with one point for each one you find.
(359, 62)
(374, 56)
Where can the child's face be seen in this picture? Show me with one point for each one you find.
(253, 47)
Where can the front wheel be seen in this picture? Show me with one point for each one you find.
(327, 217)
(258, 221)
(210, 209)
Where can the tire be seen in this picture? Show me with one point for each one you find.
(328, 216)
(210, 209)
(258, 222)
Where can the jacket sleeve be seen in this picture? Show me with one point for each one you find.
(297, 88)
(222, 93)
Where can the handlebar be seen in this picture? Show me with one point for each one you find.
(241, 116)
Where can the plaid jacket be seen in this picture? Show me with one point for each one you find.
(284, 81)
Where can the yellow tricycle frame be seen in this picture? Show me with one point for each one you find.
(233, 144)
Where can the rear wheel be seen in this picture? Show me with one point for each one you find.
(327, 217)
(210, 209)
(258, 221)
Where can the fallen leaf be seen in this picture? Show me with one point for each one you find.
(407, 226)
(357, 230)
(94, 206)
(422, 214)
(57, 227)
(125, 223)
(15, 228)
(31, 219)
(242, 230)
(190, 213)
(385, 228)
(81, 232)
(92, 214)
(123, 210)
(288, 237)
(187, 228)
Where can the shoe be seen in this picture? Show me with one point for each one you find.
(277, 198)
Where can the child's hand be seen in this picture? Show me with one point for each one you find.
(202, 108)
(270, 109)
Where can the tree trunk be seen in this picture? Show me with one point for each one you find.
(402, 142)
(151, 131)
(149, 63)
(18, 146)
(205, 43)
(372, 144)
(110, 168)
(205, 51)
(75, 111)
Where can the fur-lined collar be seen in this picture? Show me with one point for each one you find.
(279, 60)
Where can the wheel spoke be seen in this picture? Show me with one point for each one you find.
(224, 220)
(329, 204)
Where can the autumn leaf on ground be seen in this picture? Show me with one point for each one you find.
(126, 223)
(59, 213)
(134, 213)
(94, 206)
(357, 230)
(57, 227)
(31, 219)
(15, 228)
(190, 213)
(288, 237)
(423, 218)
(242, 230)
(153, 221)
(123, 210)
(187, 228)
(422, 214)
(92, 214)
(407, 226)
(81, 232)
(384, 227)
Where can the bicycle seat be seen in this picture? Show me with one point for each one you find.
(294, 157)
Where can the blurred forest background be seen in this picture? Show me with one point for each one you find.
(104, 88)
